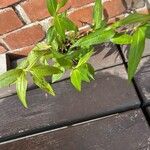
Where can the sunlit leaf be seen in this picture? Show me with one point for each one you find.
(132, 18)
(9, 77)
(66, 63)
(35, 56)
(52, 6)
(51, 34)
(61, 4)
(84, 59)
(41, 82)
(84, 72)
(59, 27)
(45, 70)
(122, 39)
(98, 14)
(68, 24)
(147, 31)
(21, 87)
(76, 79)
(136, 51)
(56, 77)
(97, 37)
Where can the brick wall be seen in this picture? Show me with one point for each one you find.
(23, 22)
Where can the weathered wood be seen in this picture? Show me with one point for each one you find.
(148, 112)
(105, 56)
(109, 93)
(126, 131)
(142, 79)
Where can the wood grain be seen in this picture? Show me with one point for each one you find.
(126, 131)
(109, 93)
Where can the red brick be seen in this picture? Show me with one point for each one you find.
(25, 37)
(78, 3)
(113, 8)
(9, 21)
(2, 49)
(35, 10)
(82, 15)
(5, 3)
(19, 53)
(38, 11)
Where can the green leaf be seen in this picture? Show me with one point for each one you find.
(41, 82)
(84, 59)
(61, 4)
(21, 87)
(59, 27)
(45, 70)
(84, 72)
(66, 63)
(122, 39)
(23, 64)
(35, 56)
(76, 79)
(52, 6)
(9, 77)
(57, 54)
(136, 51)
(131, 19)
(91, 71)
(68, 24)
(147, 31)
(97, 37)
(56, 77)
(98, 14)
(51, 34)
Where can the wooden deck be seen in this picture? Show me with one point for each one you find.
(109, 113)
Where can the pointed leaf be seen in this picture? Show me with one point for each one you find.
(56, 77)
(131, 19)
(84, 72)
(66, 63)
(45, 70)
(98, 14)
(84, 59)
(76, 79)
(9, 77)
(35, 56)
(68, 24)
(136, 51)
(21, 87)
(97, 37)
(91, 71)
(52, 6)
(61, 4)
(51, 34)
(122, 39)
(147, 31)
(41, 82)
(59, 27)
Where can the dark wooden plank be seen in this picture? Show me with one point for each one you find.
(109, 93)
(105, 56)
(148, 112)
(142, 79)
(126, 131)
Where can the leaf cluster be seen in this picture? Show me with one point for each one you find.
(65, 49)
